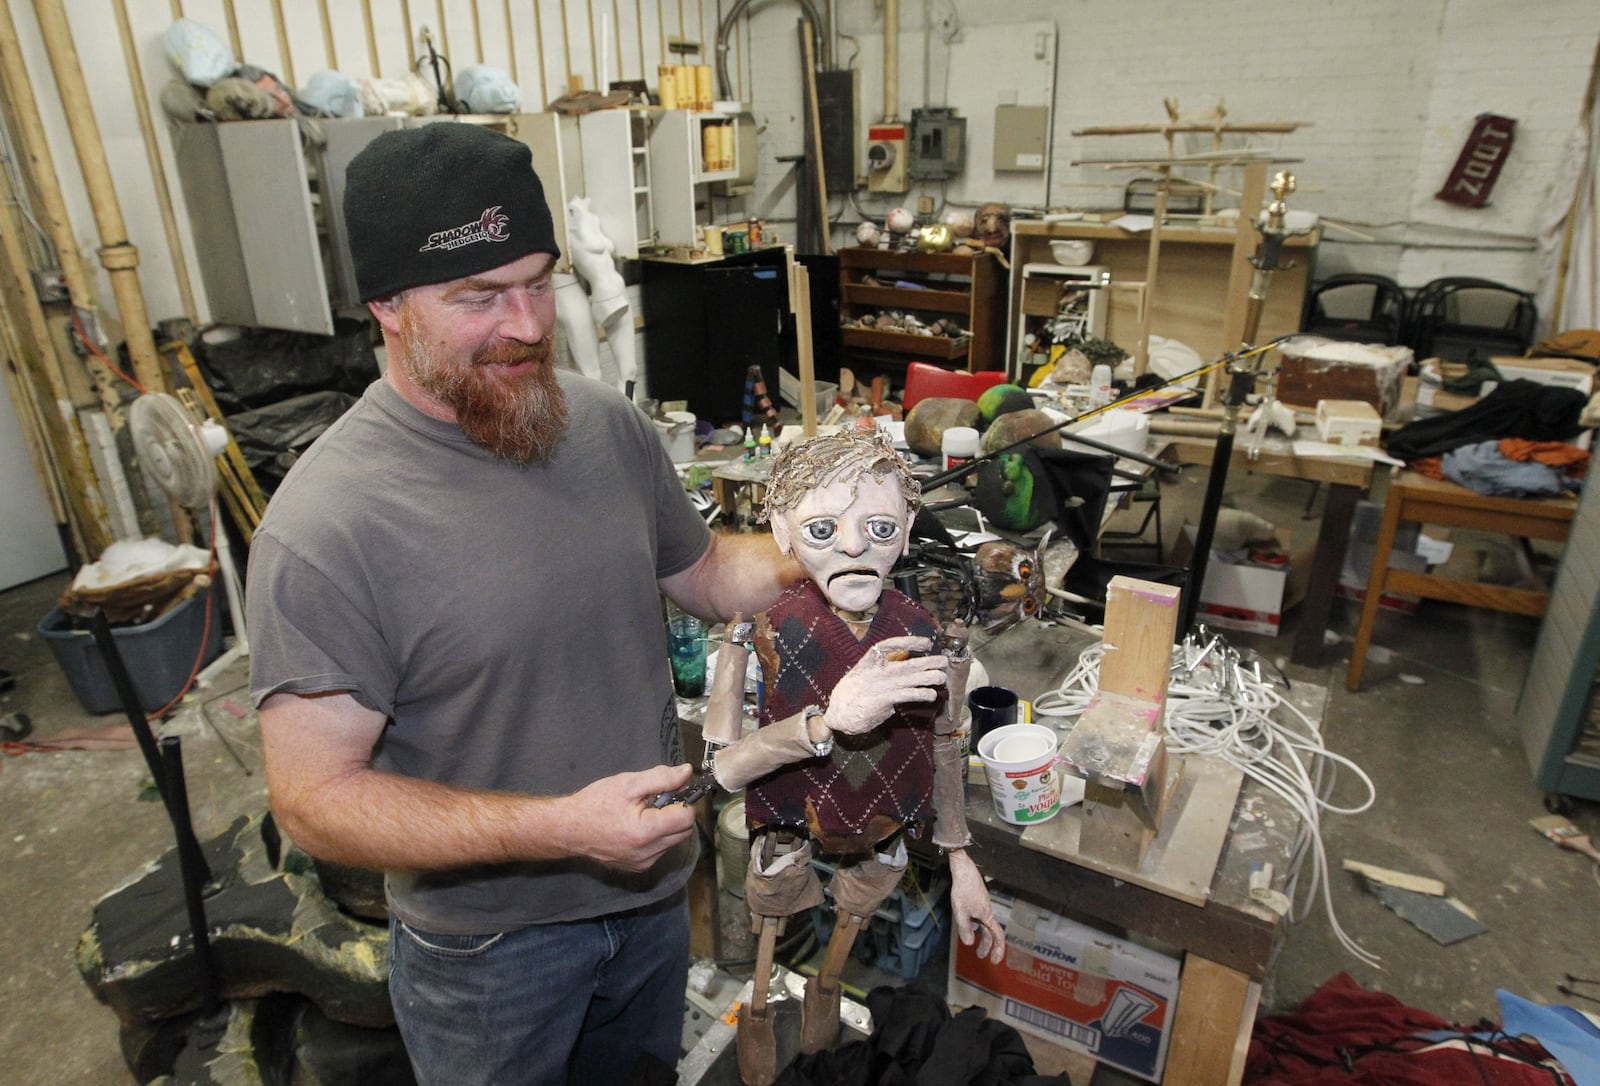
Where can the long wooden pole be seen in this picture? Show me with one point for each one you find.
(117, 255)
(37, 362)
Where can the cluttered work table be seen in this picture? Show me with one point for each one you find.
(1217, 909)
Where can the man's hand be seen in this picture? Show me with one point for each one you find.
(887, 676)
(627, 831)
(974, 913)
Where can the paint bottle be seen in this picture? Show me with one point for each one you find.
(765, 441)
(959, 445)
(754, 234)
(749, 443)
(1100, 390)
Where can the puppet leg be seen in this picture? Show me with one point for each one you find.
(779, 883)
(858, 889)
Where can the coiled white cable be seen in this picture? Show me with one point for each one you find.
(1217, 708)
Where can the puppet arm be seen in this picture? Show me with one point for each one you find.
(974, 913)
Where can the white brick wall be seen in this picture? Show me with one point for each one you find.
(1388, 92)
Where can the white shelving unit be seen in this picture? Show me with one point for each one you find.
(617, 177)
(1057, 294)
(678, 165)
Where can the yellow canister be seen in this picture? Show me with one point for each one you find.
(667, 86)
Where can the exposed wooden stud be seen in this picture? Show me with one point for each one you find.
(285, 57)
(232, 17)
(511, 42)
(411, 35)
(566, 49)
(477, 32)
(373, 65)
(330, 51)
(616, 22)
(444, 27)
(594, 47)
(158, 174)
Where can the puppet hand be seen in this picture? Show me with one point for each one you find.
(869, 692)
(974, 915)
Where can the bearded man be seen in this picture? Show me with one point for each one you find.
(457, 650)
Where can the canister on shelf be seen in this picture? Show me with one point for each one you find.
(667, 86)
(702, 87)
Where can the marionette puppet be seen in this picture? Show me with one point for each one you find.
(858, 746)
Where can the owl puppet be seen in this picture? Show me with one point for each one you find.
(857, 748)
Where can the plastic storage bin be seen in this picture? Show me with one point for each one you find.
(902, 935)
(158, 655)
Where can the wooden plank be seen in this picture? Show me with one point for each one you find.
(1141, 622)
(1417, 884)
(1182, 859)
(904, 343)
(937, 301)
(1240, 271)
(1211, 1013)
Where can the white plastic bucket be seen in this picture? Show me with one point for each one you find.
(1019, 761)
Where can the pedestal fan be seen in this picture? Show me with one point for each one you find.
(179, 453)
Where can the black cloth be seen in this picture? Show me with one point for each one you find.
(916, 1042)
(1524, 409)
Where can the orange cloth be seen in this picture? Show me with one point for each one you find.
(1431, 466)
(1558, 454)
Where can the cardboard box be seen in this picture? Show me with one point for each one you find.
(1245, 596)
(1561, 372)
(1073, 985)
(1363, 545)
(1313, 368)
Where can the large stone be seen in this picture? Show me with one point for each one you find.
(930, 418)
(1015, 426)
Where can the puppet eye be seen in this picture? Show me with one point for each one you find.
(883, 529)
(1024, 569)
(1029, 605)
(821, 530)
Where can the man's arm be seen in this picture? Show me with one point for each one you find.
(332, 803)
(736, 573)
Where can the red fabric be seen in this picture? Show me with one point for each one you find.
(1343, 1035)
(889, 771)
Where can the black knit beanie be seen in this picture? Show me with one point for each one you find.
(442, 201)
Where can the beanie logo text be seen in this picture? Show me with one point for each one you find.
(490, 226)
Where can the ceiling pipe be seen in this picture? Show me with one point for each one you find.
(891, 60)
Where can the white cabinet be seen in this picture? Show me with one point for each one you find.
(617, 177)
(688, 149)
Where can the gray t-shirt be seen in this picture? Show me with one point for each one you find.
(506, 620)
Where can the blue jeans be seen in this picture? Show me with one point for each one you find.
(581, 1002)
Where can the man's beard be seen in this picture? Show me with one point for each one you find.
(519, 418)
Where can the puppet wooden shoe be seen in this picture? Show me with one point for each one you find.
(819, 1020)
(757, 1044)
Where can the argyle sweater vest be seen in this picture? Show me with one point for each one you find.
(886, 773)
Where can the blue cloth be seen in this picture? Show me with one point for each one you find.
(1566, 1034)
(516, 1006)
(1481, 467)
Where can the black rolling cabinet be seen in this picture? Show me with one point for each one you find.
(706, 322)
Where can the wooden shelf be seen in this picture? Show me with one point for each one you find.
(969, 289)
(940, 347)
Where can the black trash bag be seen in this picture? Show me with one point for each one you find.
(1524, 409)
(273, 437)
(264, 366)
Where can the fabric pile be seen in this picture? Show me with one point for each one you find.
(1343, 1035)
(1511, 443)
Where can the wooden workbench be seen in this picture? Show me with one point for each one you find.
(1229, 941)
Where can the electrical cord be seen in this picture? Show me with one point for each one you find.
(1216, 707)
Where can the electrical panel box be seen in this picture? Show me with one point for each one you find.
(1021, 138)
(837, 94)
(938, 144)
(886, 158)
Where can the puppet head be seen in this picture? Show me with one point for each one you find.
(842, 504)
(993, 225)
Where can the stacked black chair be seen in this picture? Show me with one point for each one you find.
(1462, 318)
(1359, 308)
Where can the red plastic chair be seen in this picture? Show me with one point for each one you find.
(924, 380)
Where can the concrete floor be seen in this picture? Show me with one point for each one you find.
(1433, 726)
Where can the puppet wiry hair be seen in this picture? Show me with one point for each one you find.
(848, 454)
